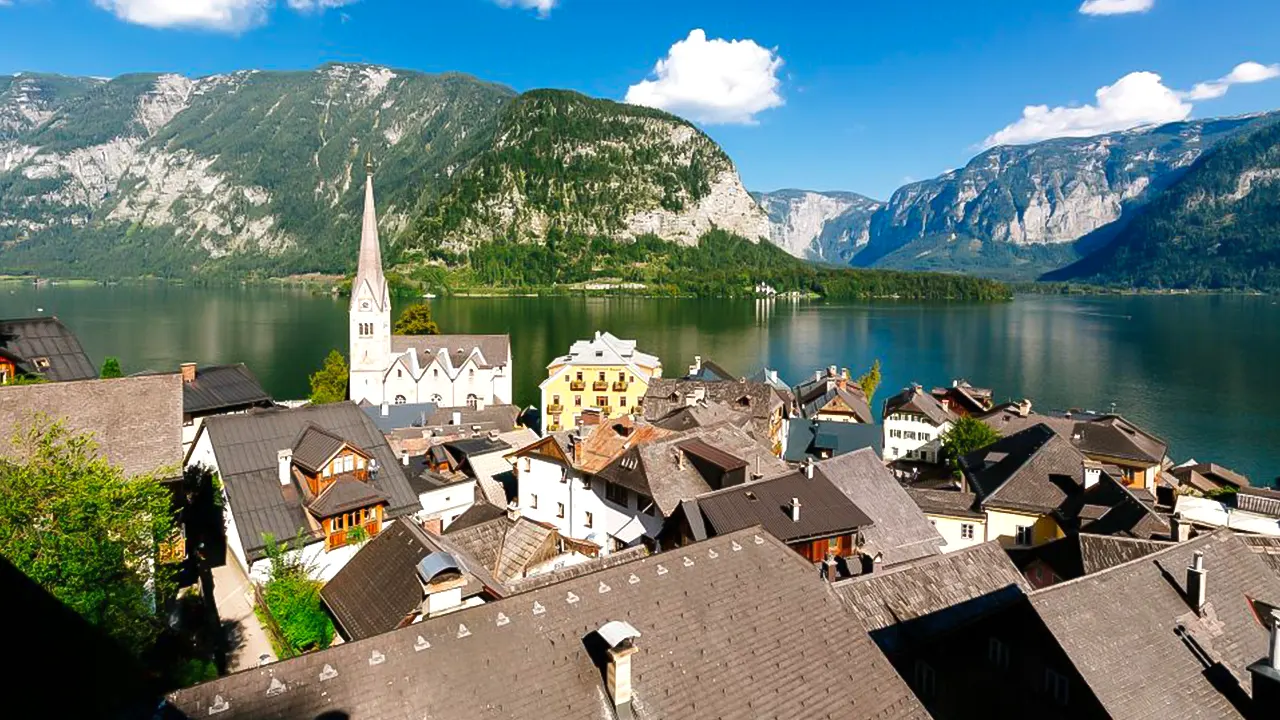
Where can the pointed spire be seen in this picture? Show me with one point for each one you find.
(369, 269)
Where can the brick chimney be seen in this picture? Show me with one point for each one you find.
(619, 639)
(284, 462)
(830, 570)
(188, 372)
(1196, 580)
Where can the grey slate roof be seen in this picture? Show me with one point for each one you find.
(1133, 620)
(48, 339)
(851, 396)
(1267, 548)
(664, 395)
(1083, 554)
(246, 448)
(934, 594)
(825, 511)
(1093, 435)
(136, 421)
(1034, 470)
(223, 388)
(719, 639)
(899, 531)
(496, 349)
(314, 446)
(945, 502)
(811, 438)
(916, 400)
(346, 494)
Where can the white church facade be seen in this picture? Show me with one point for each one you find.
(448, 370)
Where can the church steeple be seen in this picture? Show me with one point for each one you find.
(369, 269)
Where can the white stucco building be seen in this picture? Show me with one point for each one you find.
(914, 422)
(449, 370)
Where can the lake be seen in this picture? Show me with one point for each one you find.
(1195, 370)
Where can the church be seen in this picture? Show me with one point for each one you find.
(448, 370)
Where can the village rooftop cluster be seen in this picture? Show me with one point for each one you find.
(708, 545)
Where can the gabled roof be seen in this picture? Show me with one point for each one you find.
(607, 349)
(223, 388)
(246, 447)
(135, 421)
(1035, 470)
(490, 351)
(814, 438)
(46, 339)
(475, 663)
(916, 400)
(709, 370)
(1138, 616)
(952, 503)
(315, 446)
(1114, 436)
(344, 495)
(1081, 554)
(1208, 476)
(824, 510)
(899, 531)
(932, 595)
(849, 399)
(665, 395)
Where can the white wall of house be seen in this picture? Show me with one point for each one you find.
(578, 508)
(908, 436)
(447, 503)
(445, 386)
(959, 532)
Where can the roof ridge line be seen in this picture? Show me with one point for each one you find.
(1202, 540)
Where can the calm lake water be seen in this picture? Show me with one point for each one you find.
(1197, 370)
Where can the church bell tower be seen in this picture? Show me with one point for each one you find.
(370, 313)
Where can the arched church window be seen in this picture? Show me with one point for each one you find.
(401, 400)
(472, 401)
(471, 372)
(399, 372)
(435, 372)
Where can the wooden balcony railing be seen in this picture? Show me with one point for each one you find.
(555, 409)
(607, 410)
(338, 539)
(577, 385)
(620, 386)
(600, 385)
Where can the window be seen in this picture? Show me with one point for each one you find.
(559, 510)
(966, 531)
(925, 679)
(555, 399)
(533, 502)
(1056, 685)
(622, 377)
(435, 372)
(615, 494)
(471, 373)
(586, 483)
(528, 466)
(399, 372)
(579, 376)
(401, 400)
(622, 401)
(1023, 535)
(602, 401)
(645, 504)
(587, 520)
(472, 401)
(577, 401)
(601, 376)
(998, 653)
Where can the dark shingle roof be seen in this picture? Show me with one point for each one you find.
(1267, 548)
(1114, 436)
(1085, 553)
(136, 421)
(345, 494)
(476, 663)
(899, 531)
(378, 588)
(46, 338)
(916, 400)
(850, 397)
(811, 438)
(247, 446)
(477, 514)
(666, 395)
(824, 510)
(945, 502)
(222, 388)
(1036, 470)
(315, 446)
(934, 594)
(1137, 617)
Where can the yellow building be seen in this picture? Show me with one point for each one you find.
(605, 373)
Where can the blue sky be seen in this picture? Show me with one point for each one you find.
(859, 95)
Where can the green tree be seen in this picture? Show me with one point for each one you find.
(86, 533)
(870, 380)
(965, 436)
(416, 320)
(329, 383)
(111, 368)
(292, 600)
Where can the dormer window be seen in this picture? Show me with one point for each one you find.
(41, 363)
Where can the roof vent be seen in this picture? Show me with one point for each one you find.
(619, 636)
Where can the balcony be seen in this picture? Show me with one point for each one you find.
(600, 385)
(620, 386)
(555, 409)
(554, 427)
(607, 410)
(637, 410)
(337, 539)
(577, 385)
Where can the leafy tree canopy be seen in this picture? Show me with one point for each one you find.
(86, 533)
(416, 320)
(965, 436)
(111, 368)
(870, 380)
(329, 383)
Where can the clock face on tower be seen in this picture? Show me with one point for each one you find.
(364, 304)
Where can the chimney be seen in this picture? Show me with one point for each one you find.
(829, 568)
(773, 377)
(1092, 475)
(386, 408)
(404, 458)
(817, 374)
(619, 639)
(188, 372)
(795, 509)
(284, 461)
(456, 418)
(1266, 672)
(757, 474)
(808, 468)
(513, 511)
(576, 441)
(1196, 578)
(1024, 408)
(1179, 528)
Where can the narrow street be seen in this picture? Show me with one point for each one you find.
(246, 640)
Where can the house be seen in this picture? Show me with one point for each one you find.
(963, 399)
(453, 475)
(953, 515)
(639, 640)
(447, 370)
(217, 390)
(1079, 554)
(1250, 510)
(604, 373)
(766, 407)
(1105, 438)
(42, 347)
(834, 397)
(320, 473)
(914, 423)
(823, 439)
(1035, 486)
(802, 509)
(614, 484)
(414, 427)
(1207, 477)
(899, 531)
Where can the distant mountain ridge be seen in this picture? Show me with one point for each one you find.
(824, 226)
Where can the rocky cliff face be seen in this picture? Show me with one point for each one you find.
(1019, 210)
(825, 226)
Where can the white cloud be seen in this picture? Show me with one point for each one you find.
(1116, 7)
(1139, 98)
(307, 6)
(226, 15)
(1242, 74)
(543, 7)
(713, 81)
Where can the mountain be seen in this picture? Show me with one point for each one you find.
(1218, 226)
(1017, 211)
(824, 226)
(259, 171)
